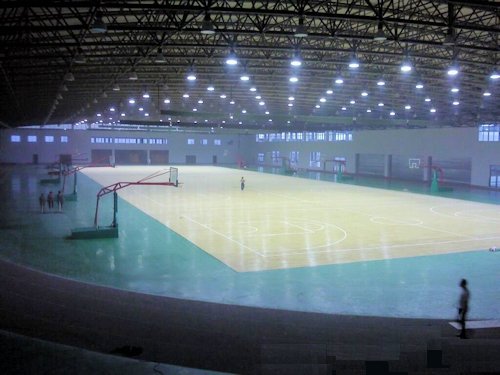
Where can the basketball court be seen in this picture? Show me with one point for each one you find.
(281, 222)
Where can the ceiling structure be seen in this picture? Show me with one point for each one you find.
(64, 62)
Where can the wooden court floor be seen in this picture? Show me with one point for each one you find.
(282, 222)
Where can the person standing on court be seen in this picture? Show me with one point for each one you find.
(242, 183)
(50, 200)
(60, 200)
(463, 308)
(42, 200)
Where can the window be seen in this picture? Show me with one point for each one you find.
(260, 157)
(190, 141)
(64, 139)
(315, 159)
(32, 138)
(495, 176)
(49, 139)
(276, 157)
(309, 136)
(15, 138)
(294, 157)
(217, 142)
(489, 133)
(204, 142)
(320, 136)
(260, 137)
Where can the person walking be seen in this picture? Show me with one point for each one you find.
(463, 308)
(50, 200)
(242, 184)
(60, 200)
(42, 200)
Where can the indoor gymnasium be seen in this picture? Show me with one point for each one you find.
(246, 187)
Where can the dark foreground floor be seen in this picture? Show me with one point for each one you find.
(234, 339)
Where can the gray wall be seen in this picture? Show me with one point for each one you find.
(440, 144)
(79, 143)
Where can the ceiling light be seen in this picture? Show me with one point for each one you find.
(380, 35)
(253, 89)
(381, 83)
(145, 95)
(339, 81)
(200, 101)
(98, 26)
(133, 75)
(210, 87)
(419, 85)
(453, 70)
(223, 96)
(104, 94)
(427, 99)
(392, 113)
(368, 110)
(64, 88)
(231, 58)
(116, 87)
(354, 63)
(262, 103)
(433, 110)
(494, 75)
(112, 109)
(294, 79)
(159, 58)
(191, 75)
(69, 77)
(245, 77)
(131, 101)
(258, 97)
(290, 104)
(166, 101)
(185, 96)
(486, 93)
(267, 112)
(322, 100)
(449, 39)
(207, 27)
(455, 89)
(244, 111)
(407, 106)
(141, 109)
(232, 102)
(80, 58)
(406, 66)
(380, 104)
(317, 106)
(300, 30)
(329, 92)
(195, 109)
(122, 114)
(296, 60)
(456, 102)
(344, 108)
(352, 102)
(364, 93)
(291, 98)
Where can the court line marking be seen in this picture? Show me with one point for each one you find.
(345, 236)
(432, 209)
(222, 235)
(398, 246)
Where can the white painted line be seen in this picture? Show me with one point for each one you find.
(477, 324)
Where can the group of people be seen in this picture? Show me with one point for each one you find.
(49, 201)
